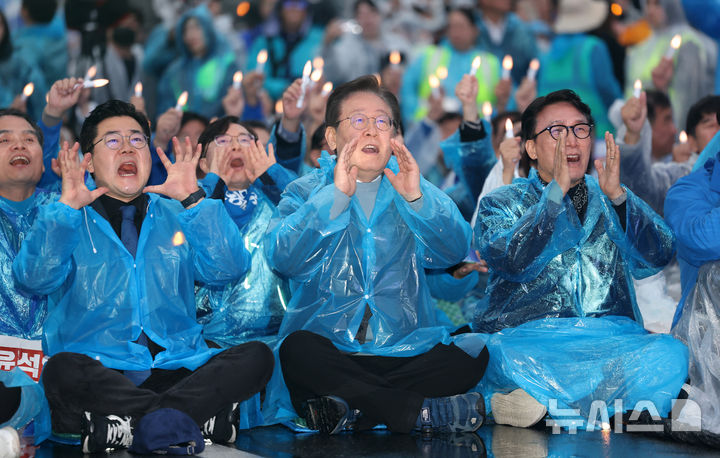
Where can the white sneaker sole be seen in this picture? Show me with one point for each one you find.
(516, 408)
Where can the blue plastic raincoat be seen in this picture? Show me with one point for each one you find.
(545, 263)
(101, 298)
(250, 308)
(337, 266)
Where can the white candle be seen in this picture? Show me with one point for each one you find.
(261, 59)
(27, 91)
(181, 101)
(507, 65)
(237, 80)
(532, 69)
(509, 132)
(434, 84)
(487, 110)
(637, 88)
(305, 82)
(674, 46)
(91, 84)
(138, 89)
(475, 66)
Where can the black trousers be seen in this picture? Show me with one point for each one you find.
(75, 383)
(387, 390)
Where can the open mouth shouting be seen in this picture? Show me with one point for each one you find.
(370, 149)
(573, 158)
(127, 169)
(19, 160)
(237, 163)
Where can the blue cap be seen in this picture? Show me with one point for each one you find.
(167, 432)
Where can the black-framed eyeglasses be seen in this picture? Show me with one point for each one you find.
(114, 140)
(581, 130)
(360, 121)
(242, 139)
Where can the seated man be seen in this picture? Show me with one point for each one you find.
(561, 247)
(354, 238)
(118, 266)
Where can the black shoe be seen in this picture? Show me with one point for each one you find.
(222, 428)
(329, 415)
(99, 433)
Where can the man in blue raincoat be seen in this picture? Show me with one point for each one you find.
(562, 248)
(354, 238)
(119, 267)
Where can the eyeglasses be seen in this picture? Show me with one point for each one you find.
(114, 140)
(242, 139)
(360, 121)
(581, 130)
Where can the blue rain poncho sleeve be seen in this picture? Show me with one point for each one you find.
(518, 242)
(45, 259)
(649, 181)
(444, 286)
(471, 161)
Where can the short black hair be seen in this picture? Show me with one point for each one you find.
(255, 125)
(529, 116)
(369, 3)
(109, 109)
(26, 117)
(188, 116)
(656, 99)
(317, 137)
(40, 11)
(369, 84)
(707, 105)
(219, 127)
(467, 12)
(6, 47)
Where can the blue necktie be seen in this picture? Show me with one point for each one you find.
(128, 231)
(129, 238)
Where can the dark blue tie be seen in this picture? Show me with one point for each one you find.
(129, 238)
(128, 231)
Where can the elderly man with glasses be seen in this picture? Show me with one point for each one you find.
(562, 248)
(363, 344)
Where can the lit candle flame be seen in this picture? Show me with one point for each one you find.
(509, 132)
(676, 41)
(182, 100)
(683, 137)
(262, 56)
(637, 88)
(307, 69)
(434, 81)
(616, 9)
(178, 239)
(96, 83)
(91, 73)
(395, 57)
(237, 80)
(138, 89)
(318, 63)
(279, 107)
(28, 89)
(327, 88)
(487, 110)
(535, 64)
(475, 65)
(442, 72)
(316, 75)
(242, 9)
(532, 69)
(507, 62)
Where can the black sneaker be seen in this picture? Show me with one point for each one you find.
(329, 415)
(452, 414)
(99, 433)
(222, 428)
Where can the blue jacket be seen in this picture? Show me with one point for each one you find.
(545, 263)
(46, 46)
(518, 41)
(692, 209)
(206, 79)
(101, 298)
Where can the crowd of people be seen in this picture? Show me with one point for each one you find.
(340, 215)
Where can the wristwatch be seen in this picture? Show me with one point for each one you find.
(193, 198)
(620, 199)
